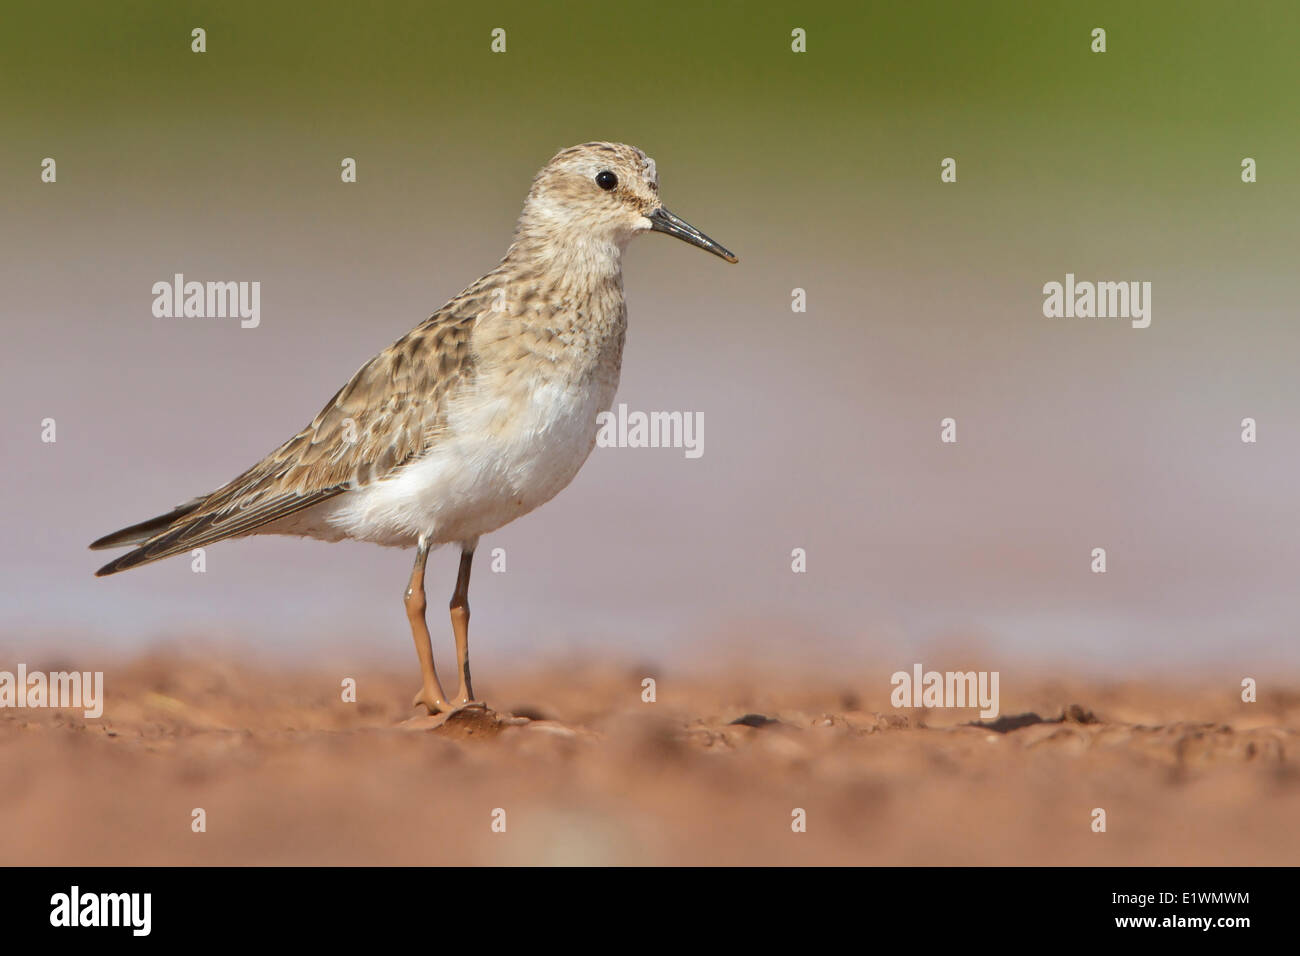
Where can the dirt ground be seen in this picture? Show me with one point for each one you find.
(286, 772)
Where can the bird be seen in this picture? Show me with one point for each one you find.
(480, 414)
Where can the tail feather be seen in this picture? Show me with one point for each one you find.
(132, 559)
(166, 540)
(145, 530)
(198, 523)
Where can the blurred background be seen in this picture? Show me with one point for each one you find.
(821, 170)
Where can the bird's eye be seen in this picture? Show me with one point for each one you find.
(606, 180)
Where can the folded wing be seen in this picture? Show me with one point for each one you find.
(391, 411)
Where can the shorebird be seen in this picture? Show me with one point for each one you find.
(478, 415)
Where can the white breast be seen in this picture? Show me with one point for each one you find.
(503, 453)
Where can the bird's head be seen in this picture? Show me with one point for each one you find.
(602, 194)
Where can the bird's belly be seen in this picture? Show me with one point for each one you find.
(497, 459)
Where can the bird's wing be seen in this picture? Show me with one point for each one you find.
(391, 411)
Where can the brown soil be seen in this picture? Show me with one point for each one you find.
(587, 773)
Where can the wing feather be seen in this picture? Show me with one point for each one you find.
(389, 413)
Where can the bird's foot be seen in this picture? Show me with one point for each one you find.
(465, 698)
(474, 720)
(432, 701)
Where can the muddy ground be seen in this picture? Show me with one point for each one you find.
(286, 772)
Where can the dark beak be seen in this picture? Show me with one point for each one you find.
(661, 220)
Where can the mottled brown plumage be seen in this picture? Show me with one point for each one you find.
(478, 415)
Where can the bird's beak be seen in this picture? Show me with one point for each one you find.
(661, 220)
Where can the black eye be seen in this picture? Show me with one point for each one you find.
(606, 180)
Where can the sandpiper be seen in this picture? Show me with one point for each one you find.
(476, 416)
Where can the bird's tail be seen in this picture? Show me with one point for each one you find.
(138, 534)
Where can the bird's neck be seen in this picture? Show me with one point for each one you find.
(575, 261)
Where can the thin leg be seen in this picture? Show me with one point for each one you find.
(430, 693)
(460, 625)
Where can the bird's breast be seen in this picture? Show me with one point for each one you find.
(509, 441)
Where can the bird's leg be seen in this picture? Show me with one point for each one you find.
(460, 625)
(430, 693)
